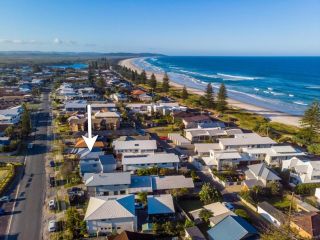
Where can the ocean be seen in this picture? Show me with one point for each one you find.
(285, 84)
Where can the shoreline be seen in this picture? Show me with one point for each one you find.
(274, 116)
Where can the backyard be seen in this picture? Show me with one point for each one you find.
(190, 204)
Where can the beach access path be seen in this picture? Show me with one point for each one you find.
(274, 116)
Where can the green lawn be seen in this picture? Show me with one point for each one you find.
(190, 204)
(163, 131)
(281, 203)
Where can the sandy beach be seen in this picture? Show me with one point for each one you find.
(272, 115)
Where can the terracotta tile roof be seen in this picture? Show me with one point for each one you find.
(80, 143)
(137, 92)
(309, 222)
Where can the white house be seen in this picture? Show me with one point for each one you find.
(179, 140)
(218, 210)
(107, 184)
(132, 162)
(259, 174)
(271, 214)
(273, 155)
(119, 183)
(197, 135)
(10, 116)
(110, 214)
(224, 159)
(134, 146)
(302, 171)
(138, 107)
(246, 140)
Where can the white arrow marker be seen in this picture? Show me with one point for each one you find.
(90, 140)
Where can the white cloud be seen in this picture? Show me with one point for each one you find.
(19, 41)
(59, 41)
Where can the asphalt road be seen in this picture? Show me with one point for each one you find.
(25, 220)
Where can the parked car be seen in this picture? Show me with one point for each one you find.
(52, 164)
(229, 206)
(52, 204)
(2, 212)
(5, 198)
(52, 181)
(52, 226)
(183, 157)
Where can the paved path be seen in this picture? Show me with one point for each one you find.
(25, 220)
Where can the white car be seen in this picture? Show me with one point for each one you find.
(52, 226)
(5, 199)
(52, 204)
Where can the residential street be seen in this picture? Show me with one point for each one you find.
(25, 220)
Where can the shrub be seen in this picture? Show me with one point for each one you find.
(306, 188)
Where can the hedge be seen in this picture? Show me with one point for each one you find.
(306, 188)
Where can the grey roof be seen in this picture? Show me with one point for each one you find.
(87, 154)
(216, 219)
(110, 207)
(195, 233)
(161, 204)
(261, 171)
(135, 144)
(106, 179)
(272, 211)
(149, 158)
(246, 139)
(171, 182)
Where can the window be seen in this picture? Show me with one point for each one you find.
(122, 192)
(115, 192)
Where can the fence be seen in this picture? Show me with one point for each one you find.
(223, 183)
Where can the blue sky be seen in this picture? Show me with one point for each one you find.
(174, 27)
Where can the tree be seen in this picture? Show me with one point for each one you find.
(101, 84)
(169, 228)
(35, 92)
(133, 76)
(143, 77)
(153, 82)
(205, 214)
(9, 131)
(184, 93)
(142, 197)
(165, 83)
(188, 223)
(74, 223)
(222, 98)
(25, 122)
(275, 188)
(209, 96)
(209, 194)
(310, 121)
(178, 192)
